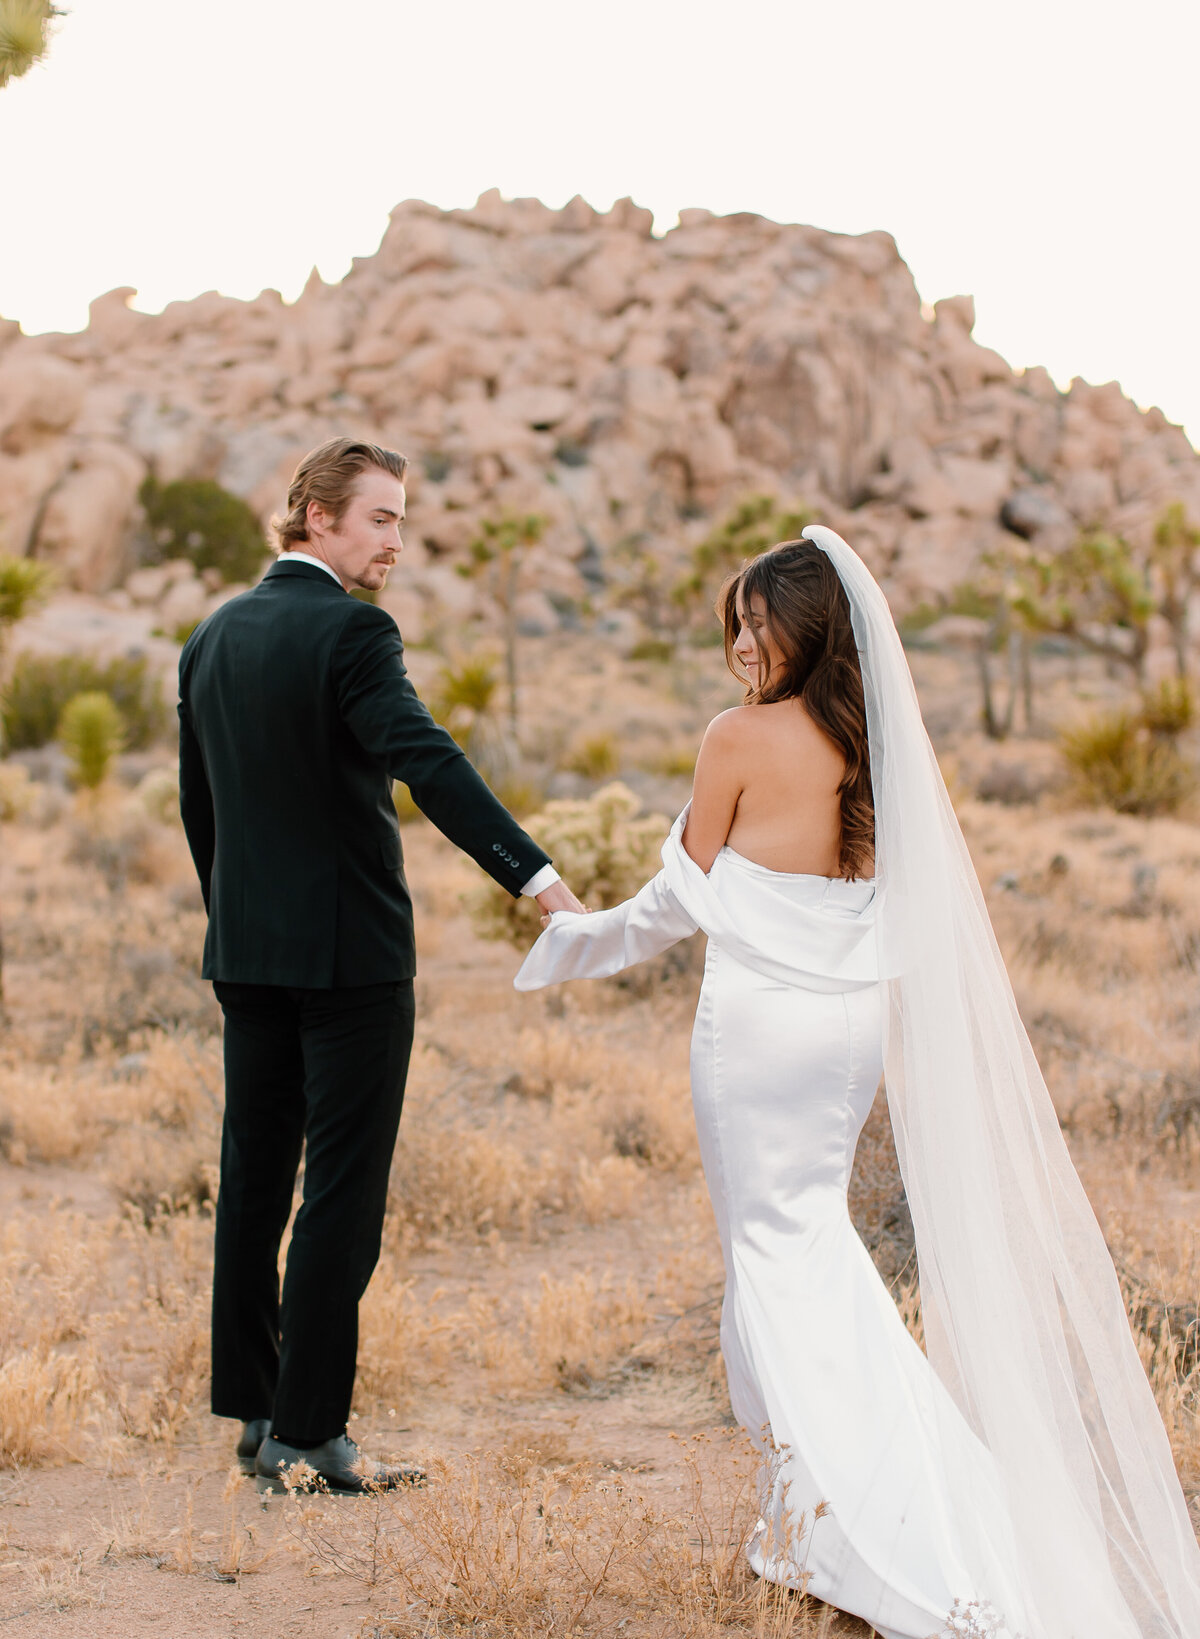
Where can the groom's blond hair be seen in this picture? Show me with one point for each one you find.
(327, 475)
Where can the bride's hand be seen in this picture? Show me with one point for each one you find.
(558, 897)
(584, 910)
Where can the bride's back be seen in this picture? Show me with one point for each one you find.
(788, 815)
(784, 780)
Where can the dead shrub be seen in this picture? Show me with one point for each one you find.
(505, 1543)
(45, 1398)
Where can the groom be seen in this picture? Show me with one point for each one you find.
(296, 713)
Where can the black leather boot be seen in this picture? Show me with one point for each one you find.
(338, 1465)
(253, 1435)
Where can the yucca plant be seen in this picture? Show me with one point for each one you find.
(91, 732)
(24, 35)
(24, 585)
(469, 687)
(754, 525)
(465, 703)
(1170, 708)
(1118, 760)
(595, 757)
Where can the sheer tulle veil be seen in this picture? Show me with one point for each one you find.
(1024, 1319)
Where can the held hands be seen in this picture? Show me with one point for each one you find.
(558, 897)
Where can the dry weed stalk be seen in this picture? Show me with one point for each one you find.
(508, 1546)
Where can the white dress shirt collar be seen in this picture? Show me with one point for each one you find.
(303, 557)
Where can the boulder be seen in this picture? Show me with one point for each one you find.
(40, 396)
(85, 528)
(979, 487)
(571, 363)
(1032, 512)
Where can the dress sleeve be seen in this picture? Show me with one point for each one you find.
(606, 942)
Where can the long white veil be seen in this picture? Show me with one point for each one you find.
(1024, 1319)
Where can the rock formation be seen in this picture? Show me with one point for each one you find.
(628, 387)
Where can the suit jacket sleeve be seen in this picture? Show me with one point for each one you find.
(381, 708)
(195, 803)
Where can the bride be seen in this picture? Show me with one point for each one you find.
(1016, 1480)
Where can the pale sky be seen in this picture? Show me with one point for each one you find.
(1040, 154)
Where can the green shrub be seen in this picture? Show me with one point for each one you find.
(41, 685)
(676, 762)
(436, 466)
(24, 584)
(652, 648)
(1170, 708)
(594, 757)
(195, 518)
(91, 731)
(600, 847)
(1117, 761)
(467, 689)
(464, 702)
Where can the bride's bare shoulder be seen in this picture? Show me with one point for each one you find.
(732, 733)
(777, 718)
(776, 728)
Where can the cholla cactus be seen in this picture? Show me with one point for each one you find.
(91, 731)
(158, 794)
(16, 791)
(601, 847)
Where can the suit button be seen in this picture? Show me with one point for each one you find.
(496, 848)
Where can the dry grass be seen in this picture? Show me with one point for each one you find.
(510, 1543)
(545, 1309)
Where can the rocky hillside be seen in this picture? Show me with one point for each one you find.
(628, 387)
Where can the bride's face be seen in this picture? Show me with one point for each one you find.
(752, 625)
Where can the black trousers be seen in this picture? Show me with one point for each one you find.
(324, 1069)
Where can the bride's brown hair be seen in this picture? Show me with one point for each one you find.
(808, 616)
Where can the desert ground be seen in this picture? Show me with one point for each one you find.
(542, 1328)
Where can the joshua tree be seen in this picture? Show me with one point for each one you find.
(985, 599)
(1099, 592)
(24, 35)
(1094, 592)
(499, 552)
(1102, 593)
(1174, 559)
(754, 525)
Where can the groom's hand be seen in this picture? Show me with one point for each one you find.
(558, 897)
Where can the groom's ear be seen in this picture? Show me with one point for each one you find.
(316, 519)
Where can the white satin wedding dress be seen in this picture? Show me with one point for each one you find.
(786, 1060)
(1018, 1480)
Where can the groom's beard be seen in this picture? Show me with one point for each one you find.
(375, 576)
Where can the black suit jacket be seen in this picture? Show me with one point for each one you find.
(295, 714)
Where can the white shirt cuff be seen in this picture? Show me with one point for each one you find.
(539, 883)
